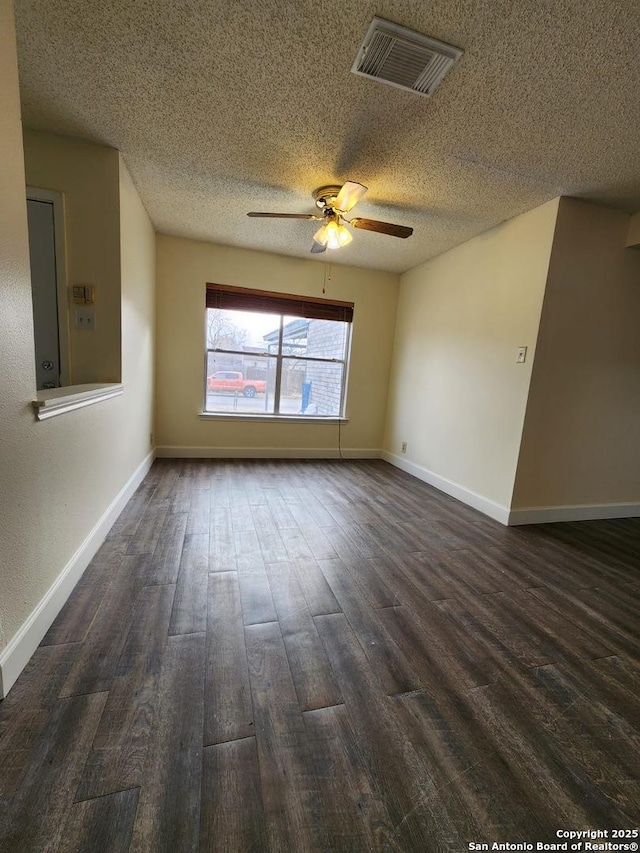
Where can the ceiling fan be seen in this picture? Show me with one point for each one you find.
(333, 202)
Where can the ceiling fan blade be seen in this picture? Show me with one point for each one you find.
(382, 227)
(285, 215)
(317, 248)
(349, 195)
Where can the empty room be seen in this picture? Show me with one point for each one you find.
(319, 426)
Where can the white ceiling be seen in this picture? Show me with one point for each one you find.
(224, 107)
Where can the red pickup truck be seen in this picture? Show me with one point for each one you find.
(233, 380)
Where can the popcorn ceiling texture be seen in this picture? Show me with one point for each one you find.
(224, 107)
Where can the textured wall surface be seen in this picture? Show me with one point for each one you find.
(17, 379)
(457, 395)
(580, 441)
(184, 267)
(88, 176)
(59, 476)
(138, 260)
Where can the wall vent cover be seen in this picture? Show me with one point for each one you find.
(403, 58)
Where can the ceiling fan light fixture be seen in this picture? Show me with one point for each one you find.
(333, 235)
(344, 235)
(321, 236)
(334, 201)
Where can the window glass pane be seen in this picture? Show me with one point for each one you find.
(240, 330)
(240, 383)
(241, 375)
(312, 388)
(317, 338)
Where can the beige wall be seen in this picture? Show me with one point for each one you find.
(16, 330)
(87, 174)
(132, 437)
(58, 476)
(633, 234)
(184, 267)
(580, 443)
(457, 395)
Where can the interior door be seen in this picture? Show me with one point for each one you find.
(42, 254)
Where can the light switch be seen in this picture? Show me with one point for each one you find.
(522, 355)
(82, 294)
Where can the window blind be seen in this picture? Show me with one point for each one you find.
(246, 299)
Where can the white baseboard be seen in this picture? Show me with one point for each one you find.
(587, 512)
(265, 453)
(15, 656)
(488, 507)
(513, 517)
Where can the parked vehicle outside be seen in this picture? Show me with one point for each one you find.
(234, 381)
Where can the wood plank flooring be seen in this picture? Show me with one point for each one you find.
(328, 656)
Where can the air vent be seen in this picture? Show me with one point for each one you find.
(403, 58)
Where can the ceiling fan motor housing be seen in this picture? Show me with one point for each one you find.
(325, 197)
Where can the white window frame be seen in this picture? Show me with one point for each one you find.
(279, 357)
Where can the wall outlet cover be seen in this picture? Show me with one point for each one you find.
(85, 319)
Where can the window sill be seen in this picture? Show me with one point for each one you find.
(292, 419)
(57, 401)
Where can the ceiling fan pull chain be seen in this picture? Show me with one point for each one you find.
(327, 268)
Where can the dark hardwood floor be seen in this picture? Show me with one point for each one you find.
(329, 656)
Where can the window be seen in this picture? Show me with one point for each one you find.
(275, 354)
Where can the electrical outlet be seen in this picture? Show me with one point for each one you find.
(403, 447)
(522, 355)
(85, 319)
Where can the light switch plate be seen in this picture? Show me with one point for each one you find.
(82, 294)
(522, 355)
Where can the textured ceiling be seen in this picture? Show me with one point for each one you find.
(224, 107)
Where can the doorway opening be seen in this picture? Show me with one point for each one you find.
(45, 216)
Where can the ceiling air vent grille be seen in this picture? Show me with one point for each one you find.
(398, 56)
